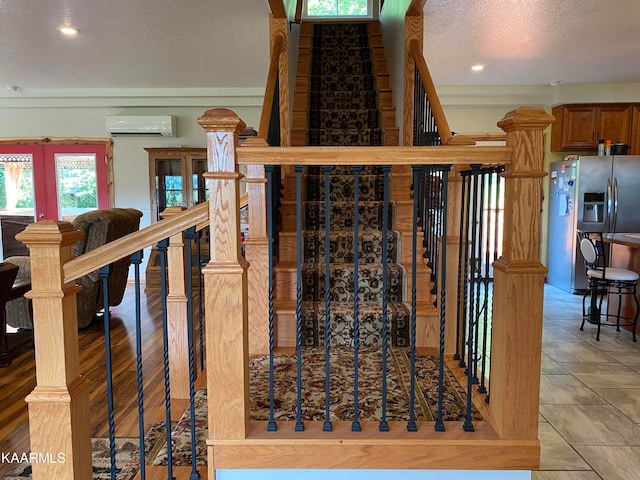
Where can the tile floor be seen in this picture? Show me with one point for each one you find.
(589, 397)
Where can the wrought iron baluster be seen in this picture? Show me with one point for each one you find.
(189, 234)
(162, 250)
(269, 170)
(299, 423)
(198, 236)
(136, 260)
(386, 169)
(327, 427)
(468, 426)
(104, 273)
(411, 424)
(477, 258)
(463, 270)
(355, 426)
(439, 424)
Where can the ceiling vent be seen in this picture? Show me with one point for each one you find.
(141, 125)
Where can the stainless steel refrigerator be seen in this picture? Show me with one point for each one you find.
(596, 194)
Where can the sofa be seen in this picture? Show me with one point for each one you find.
(99, 227)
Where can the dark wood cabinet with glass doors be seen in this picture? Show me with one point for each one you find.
(176, 178)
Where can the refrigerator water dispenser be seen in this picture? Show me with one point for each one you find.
(593, 207)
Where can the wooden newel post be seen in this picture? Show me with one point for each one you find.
(59, 423)
(225, 282)
(519, 281)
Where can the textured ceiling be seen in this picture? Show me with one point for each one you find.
(532, 42)
(223, 43)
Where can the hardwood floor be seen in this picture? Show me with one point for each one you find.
(17, 380)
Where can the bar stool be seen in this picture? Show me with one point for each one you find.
(605, 281)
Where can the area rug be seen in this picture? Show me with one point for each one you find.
(285, 393)
(126, 460)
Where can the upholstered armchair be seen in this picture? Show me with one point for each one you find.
(99, 227)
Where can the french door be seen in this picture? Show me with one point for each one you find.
(54, 181)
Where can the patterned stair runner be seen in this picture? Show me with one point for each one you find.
(343, 111)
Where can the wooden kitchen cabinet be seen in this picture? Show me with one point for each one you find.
(580, 126)
(634, 146)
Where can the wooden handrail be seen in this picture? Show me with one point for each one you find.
(298, 17)
(270, 89)
(455, 155)
(278, 9)
(432, 95)
(416, 7)
(128, 245)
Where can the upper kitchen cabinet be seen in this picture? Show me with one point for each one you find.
(634, 146)
(579, 127)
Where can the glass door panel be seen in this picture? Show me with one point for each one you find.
(16, 184)
(169, 190)
(199, 184)
(76, 182)
(17, 200)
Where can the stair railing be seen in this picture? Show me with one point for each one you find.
(274, 120)
(511, 426)
(60, 419)
(430, 126)
(508, 438)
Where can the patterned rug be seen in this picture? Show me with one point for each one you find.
(341, 404)
(126, 460)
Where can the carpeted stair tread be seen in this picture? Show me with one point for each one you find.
(337, 137)
(343, 68)
(344, 119)
(342, 322)
(342, 287)
(341, 215)
(348, 83)
(341, 246)
(371, 187)
(340, 100)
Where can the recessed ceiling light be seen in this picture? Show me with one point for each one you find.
(477, 68)
(69, 30)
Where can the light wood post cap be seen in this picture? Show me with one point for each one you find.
(172, 211)
(526, 118)
(50, 232)
(221, 119)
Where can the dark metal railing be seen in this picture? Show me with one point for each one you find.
(481, 223)
(431, 196)
(425, 130)
(429, 211)
(194, 261)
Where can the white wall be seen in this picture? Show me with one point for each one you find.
(86, 118)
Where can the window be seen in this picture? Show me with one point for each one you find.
(339, 8)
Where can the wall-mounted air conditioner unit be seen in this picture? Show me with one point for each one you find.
(141, 125)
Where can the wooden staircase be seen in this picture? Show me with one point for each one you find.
(400, 194)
